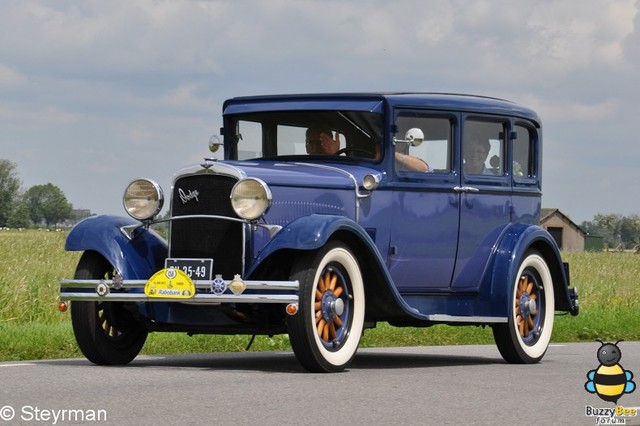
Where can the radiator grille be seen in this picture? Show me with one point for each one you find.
(221, 240)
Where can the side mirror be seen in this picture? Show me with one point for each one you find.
(214, 143)
(413, 137)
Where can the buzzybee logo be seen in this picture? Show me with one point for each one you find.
(609, 381)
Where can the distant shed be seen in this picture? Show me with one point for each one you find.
(568, 235)
(593, 243)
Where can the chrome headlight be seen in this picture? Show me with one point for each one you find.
(143, 199)
(250, 198)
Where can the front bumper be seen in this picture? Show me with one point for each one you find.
(119, 290)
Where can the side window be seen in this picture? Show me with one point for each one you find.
(483, 148)
(523, 152)
(435, 150)
(248, 137)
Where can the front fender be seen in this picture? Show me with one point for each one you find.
(313, 231)
(137, 257)
(517, 239)
(310, 233)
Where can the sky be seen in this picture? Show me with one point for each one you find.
(94, 94)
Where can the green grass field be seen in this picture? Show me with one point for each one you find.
(33, 262)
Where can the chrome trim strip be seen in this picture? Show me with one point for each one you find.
(200, 284)
(205, 298)
(281, 292)
(467, 319)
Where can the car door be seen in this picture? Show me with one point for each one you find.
(485, 196)
(424, 228)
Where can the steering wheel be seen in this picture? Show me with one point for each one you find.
(354, 150)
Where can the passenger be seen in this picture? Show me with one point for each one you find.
(476, 150)
(320, 141)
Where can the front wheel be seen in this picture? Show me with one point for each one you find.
(106, 332)
(326, 331)
(524, 339)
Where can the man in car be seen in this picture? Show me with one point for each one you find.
(319, 141)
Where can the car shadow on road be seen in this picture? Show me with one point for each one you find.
(372, 360)
(286, 362)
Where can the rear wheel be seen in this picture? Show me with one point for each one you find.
(524, 339)
(106, 332)
(326, 331)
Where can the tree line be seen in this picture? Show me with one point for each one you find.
(37, 205)
(617, 231)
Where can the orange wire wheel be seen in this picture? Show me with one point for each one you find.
(526, 335)
(326, 331)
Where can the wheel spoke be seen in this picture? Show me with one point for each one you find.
(337, 321)
(321, 325)
(529, 286)
(338, 291)
(332, 283)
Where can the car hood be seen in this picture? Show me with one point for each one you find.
(325, 175)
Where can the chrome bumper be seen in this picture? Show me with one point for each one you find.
(133, 291)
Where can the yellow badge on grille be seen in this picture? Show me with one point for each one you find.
(170, 283)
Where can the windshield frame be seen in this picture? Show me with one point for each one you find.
(280, 135)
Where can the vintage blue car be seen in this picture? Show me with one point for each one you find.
(325, 214)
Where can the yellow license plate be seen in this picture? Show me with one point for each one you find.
(170, 283)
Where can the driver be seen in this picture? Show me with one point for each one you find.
(320, 141)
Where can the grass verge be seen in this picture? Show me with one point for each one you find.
(31, 328)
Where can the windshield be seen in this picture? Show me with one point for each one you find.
(304, 134)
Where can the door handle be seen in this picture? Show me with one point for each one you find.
(465, 189)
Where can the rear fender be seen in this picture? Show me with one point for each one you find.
(135, 257)
(516, 241)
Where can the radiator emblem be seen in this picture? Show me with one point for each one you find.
(185, 197)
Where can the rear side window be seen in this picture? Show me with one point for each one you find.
(524, 166)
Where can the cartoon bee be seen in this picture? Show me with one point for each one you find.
(609, 381)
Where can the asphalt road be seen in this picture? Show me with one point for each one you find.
(446, 385)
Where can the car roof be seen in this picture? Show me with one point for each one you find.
(372, 101)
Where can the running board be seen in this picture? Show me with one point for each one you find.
(466, 319)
